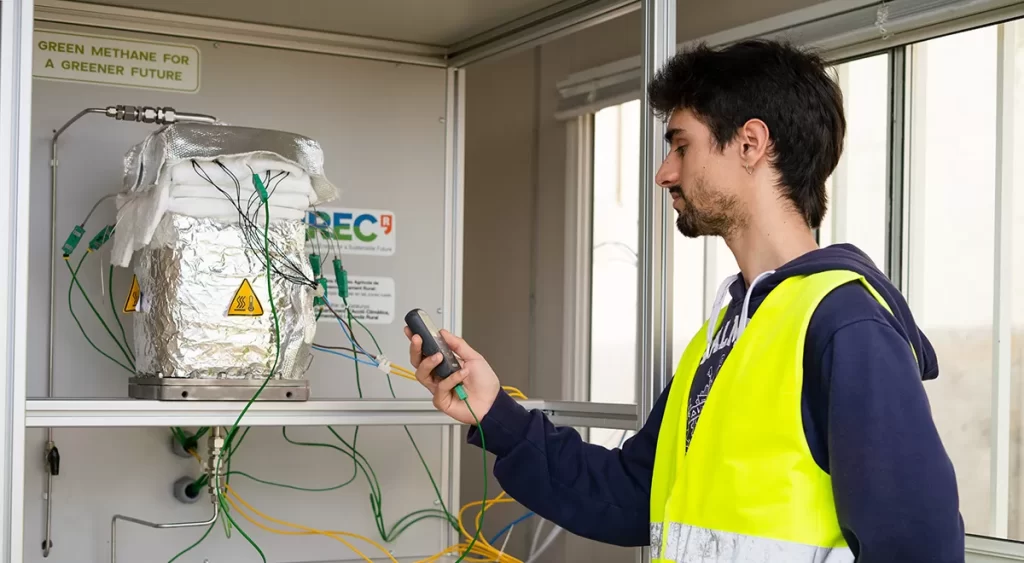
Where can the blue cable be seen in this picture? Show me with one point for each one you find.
(509, 527)
(351, 339)
(346, 356)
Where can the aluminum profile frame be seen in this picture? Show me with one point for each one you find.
(122, 413)
(16, 28)
(654, 306)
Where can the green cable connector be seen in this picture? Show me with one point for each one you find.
(314, 261)
(264, 196)
(341, 276)
(101, 237)
(74, 238)
(319, 301)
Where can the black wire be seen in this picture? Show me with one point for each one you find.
(252, 233)
(351, 332)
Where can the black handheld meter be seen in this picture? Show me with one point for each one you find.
(419, 323)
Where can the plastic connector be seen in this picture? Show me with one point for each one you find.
(341, 276)
(73, 239)
(264, 196)
(101, 238)
(314, 261)
(318, 300)
(460, 392)
(383, 364)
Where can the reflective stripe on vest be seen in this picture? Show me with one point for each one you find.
(748, 488)
(687, 544)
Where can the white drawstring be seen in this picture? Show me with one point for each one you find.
(746, 302)
(716, 308)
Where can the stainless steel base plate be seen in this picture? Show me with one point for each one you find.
(168, 389)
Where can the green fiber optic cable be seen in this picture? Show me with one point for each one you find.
(193, 546)
(287, 486)
(178, 433)
(483, 506)
(113, 309)
(423, 461)
(71, 309)
(74, 283)
(355, 466)
(224, 506)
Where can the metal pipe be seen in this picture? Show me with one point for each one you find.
(143, 114)
(50, 445)
(214, 470)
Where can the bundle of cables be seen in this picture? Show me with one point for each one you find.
(260, 245)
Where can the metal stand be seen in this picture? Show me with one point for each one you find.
(173, 389)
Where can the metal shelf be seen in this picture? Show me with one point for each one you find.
(93, 413)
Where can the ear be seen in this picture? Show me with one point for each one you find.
(753, 140)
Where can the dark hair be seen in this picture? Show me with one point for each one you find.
(789, 89)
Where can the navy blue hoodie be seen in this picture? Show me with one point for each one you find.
(865, 414)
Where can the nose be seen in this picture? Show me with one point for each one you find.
(668, 175)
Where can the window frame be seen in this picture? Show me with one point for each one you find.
(902, 224)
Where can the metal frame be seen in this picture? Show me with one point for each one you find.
(16, 25)
(560, 20)
(578, 258)
(120, 413)
(896, 156)
(654, 303)
(1003, 291)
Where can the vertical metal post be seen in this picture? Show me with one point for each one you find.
(1003, 290)
(896, 263)
(16, 25)
(454, 190)
(654, 310)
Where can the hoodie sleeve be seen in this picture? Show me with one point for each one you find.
(587, 489)
(894, 485)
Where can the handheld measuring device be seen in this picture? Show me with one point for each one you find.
(419, 323)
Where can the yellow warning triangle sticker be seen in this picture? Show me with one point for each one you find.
(131, 303)
(245, 303)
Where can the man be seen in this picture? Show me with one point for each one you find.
(796, 428)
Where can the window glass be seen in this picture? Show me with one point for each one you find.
(857, 188)
(952, 136)
(615, 223)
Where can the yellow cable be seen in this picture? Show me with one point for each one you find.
(334, 533)
(291, 533)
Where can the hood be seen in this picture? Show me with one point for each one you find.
(835, 257)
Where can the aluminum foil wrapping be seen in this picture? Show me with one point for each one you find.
(144, 162)
(188, 278)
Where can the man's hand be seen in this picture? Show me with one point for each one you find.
(476, 376)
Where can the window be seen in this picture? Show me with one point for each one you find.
(958, 165)
(615, 225)
(857, 188)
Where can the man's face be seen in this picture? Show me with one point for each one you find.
(702, 180)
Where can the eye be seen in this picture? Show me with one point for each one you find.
(681, 150)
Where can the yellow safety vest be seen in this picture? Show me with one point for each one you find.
(748, 489)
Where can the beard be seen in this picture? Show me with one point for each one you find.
(706, 212)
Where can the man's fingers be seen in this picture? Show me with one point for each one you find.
(460, 347)
(415, 350)
(423, 372)
(447, 384)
